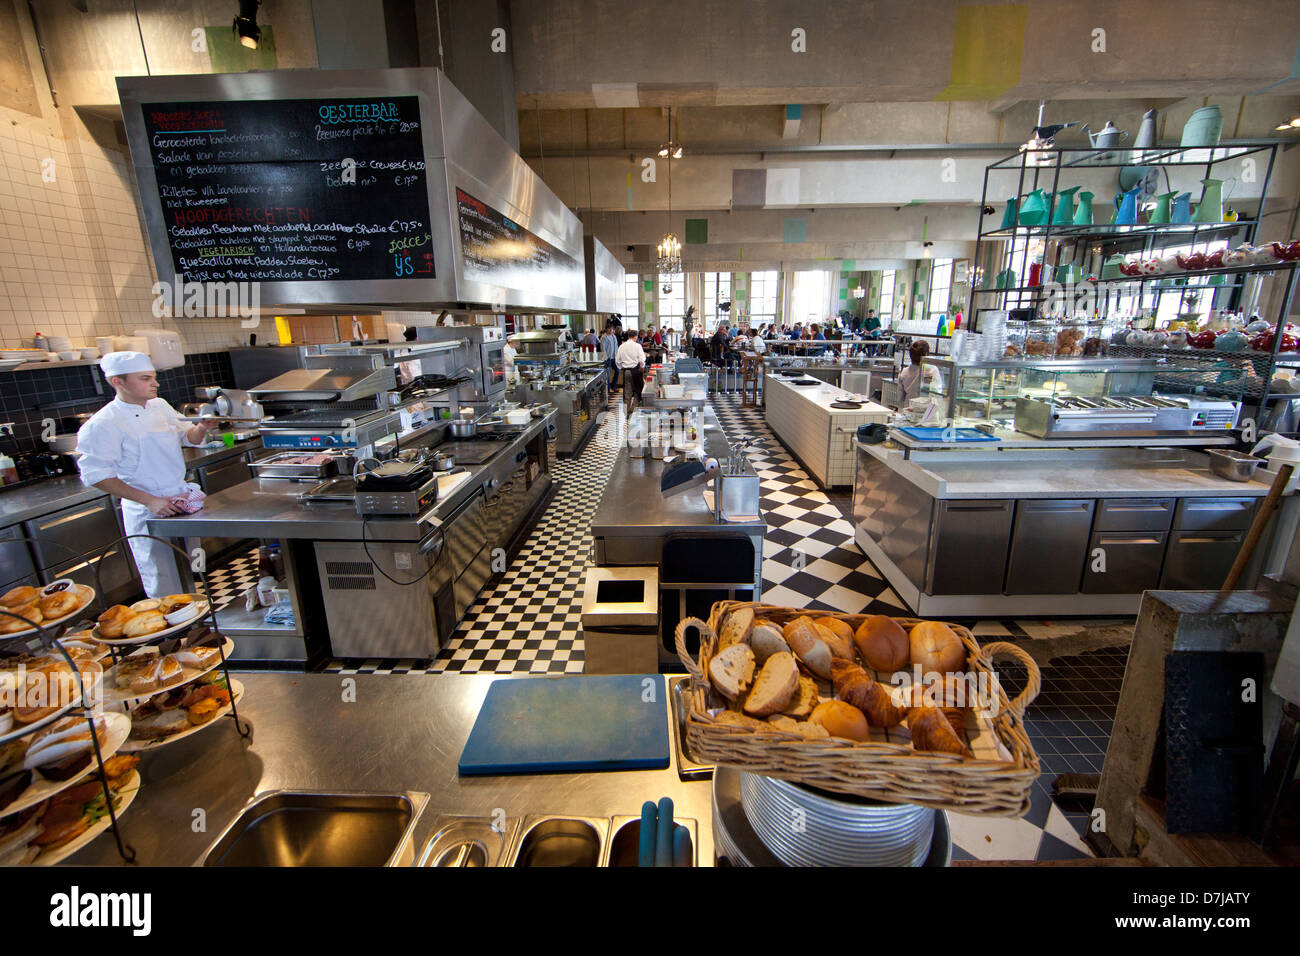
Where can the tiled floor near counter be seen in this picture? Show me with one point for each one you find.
(529, 622)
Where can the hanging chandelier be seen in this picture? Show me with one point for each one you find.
(670, 247)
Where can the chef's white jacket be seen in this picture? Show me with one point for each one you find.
(630, 355)
(142, 446)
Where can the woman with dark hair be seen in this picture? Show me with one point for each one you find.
(909, 380)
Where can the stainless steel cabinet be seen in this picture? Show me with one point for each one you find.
(224, 474)
(1135, 514)
(1214, 514)
(1049, 545)
(968, 553)
(1200, 560)
(16, 566)
(74, 542)
(1132, 561)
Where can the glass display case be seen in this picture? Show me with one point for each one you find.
(992, 390)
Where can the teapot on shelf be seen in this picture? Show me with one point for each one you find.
(1108, 135)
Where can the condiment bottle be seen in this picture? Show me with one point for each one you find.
(8, 470)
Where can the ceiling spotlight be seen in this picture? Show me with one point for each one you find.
(245, 26)
(1287, 127)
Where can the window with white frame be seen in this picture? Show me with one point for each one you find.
(715, 288)
(810, 298)
(672, 304)
(631, 299)
(940, 287)
(886, 310)
(762, 298)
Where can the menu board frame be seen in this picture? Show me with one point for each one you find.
(460, 148)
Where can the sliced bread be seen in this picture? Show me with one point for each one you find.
(804, 700)
(804, 638)
(735, 630)
(766, 640)
(776, 684)
(732, 671)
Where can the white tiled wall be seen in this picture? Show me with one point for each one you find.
(73, 257)
(813, 434)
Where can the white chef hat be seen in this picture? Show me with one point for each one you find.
(124, 363)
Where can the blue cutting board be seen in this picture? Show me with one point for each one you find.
(946, 435)
(569, 724)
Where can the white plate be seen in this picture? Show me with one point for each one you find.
(82, 589)
(126, 796)
(21, 730)
(114, 695)
(201, 604)
(119, 728)
(139, 746)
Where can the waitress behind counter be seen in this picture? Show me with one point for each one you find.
(132, 448)
(909, 380)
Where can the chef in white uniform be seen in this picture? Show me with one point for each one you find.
(132, 448)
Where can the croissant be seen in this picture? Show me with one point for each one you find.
(931, 731)
(855, 686)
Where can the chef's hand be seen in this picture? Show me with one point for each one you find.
(212, 425)
(163, 507)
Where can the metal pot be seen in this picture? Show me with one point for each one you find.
(442, 462)
(463, 429)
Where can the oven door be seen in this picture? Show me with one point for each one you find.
(494, 367)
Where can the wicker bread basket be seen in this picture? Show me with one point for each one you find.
(893, 772)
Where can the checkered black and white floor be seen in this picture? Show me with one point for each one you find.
(528, 621)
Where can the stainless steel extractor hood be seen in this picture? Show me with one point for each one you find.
(605, 276)
(359, 188)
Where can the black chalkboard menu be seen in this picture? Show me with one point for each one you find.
(304, 190)
(496, 249)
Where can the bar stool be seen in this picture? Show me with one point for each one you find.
(751, 372)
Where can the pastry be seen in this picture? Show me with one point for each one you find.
(804, 699)
(936, 649)
(776, 684)
(150, 622)
(112, 621)
(198, 657)
(174, 602)
(731, 671)
(931, 730)
(17, 597)
(20, 618)
(883, 643)
(805, 640)
(766, 640)
(148, 604)
(836, 635)
(203, 711)
(855, 686)
(59, 604)
(735, 630)
(160, 723)
(841, 720)
(49, 688)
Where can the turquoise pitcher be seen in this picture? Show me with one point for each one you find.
(1083, 211)
(1126, 209)
(1009, 216)
(1064, 215)
(1162, 211)
(1034, 210)
(1182, 211)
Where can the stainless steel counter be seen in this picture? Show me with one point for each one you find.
(633, 504)
(269, 508)
(404, 732)
(24, 504)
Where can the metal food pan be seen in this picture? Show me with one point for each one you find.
(280, 466)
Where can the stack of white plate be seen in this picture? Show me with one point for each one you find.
(806, 827)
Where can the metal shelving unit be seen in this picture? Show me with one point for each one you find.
(1142, 238)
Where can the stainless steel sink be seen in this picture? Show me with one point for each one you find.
(561, 841)
(306, 828)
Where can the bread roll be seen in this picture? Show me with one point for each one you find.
(883, 643)
(836, 635)
(936, 648)
(804, 699)
(776, 684)
(931, 731)
(112, 621)
(731, 671)
(841, 720)
(736, 628)
(766, 640)
(804, 728)
(150, 622)
(28, 615)
(855, 686)
(148, 604)
(17, 597)
(805, 640)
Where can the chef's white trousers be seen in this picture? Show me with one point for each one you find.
(155, 560)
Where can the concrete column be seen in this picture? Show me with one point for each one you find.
(350, 34)
(478, 60)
